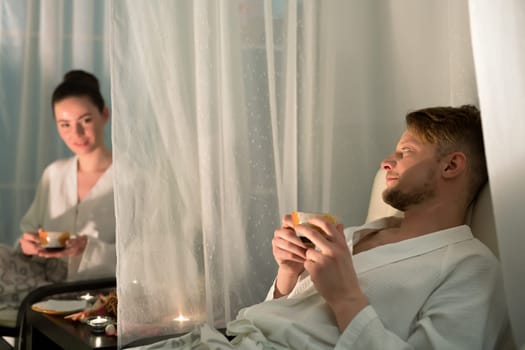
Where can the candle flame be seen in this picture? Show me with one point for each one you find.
(86, 296)
(181, 318)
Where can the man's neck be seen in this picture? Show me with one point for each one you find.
(431, 218)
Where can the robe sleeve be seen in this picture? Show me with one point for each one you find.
(33, 218)
(98, 260)
(269, 295)
(466, 311)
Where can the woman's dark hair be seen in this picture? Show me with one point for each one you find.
(78, 83)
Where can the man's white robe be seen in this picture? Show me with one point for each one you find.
(441, 290)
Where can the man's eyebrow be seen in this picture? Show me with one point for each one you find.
(409, 140)
(412, 143)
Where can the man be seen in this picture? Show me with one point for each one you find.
(441, 284)
(420, 282)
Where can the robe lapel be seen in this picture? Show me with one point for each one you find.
(101, 183)
(390, 253)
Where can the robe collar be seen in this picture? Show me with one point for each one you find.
(390, 253)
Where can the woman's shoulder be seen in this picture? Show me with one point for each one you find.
(60, 165)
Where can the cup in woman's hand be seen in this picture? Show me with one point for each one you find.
(53, 239)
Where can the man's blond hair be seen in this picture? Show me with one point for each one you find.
(455, 129)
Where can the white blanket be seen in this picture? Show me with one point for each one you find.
(438, 291)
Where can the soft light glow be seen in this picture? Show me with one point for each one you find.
(87, 297)
(181, 318)
(98, 324)
(99, 320)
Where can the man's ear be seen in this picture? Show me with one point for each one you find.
(454, 164)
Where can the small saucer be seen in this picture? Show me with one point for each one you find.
(55, 248)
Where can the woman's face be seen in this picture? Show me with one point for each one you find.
(80, 124)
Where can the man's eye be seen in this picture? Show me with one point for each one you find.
(64, 125)
(405, 151)
(86, 120)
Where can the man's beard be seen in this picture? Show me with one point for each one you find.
(401, 200)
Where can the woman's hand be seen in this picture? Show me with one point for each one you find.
(332, 271)
(289, 253)
(30, 243)
(74, 246)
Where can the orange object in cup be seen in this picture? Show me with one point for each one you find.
(299, 218)
(53, 239)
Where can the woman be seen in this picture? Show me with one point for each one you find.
(74, 195)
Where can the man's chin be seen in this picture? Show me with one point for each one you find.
(391, 197)
(397, 206)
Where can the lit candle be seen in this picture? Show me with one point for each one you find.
(181, 318)
(87, 297)
(98, 324)
(182, 323)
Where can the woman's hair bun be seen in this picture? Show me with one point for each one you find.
(79, 83)
(81, 77)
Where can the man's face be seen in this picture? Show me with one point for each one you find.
(412, 172)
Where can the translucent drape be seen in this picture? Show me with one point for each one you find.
(498, 33)
(39, 42)
(228, 114)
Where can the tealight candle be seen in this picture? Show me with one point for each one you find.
(87, 297)
(182, 322)
(98, 324)
(181, 318)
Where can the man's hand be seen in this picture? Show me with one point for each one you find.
(332, 271)
(289, 253)
(74, 246)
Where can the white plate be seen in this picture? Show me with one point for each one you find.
(59, 307)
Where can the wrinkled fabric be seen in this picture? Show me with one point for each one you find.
(19, 274)
(438, 291)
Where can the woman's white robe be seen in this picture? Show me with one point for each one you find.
(56, 208)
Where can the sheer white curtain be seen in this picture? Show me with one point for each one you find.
(39, 42)
(498, 33)
(228, 114)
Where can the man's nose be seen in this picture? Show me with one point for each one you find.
(388, 163)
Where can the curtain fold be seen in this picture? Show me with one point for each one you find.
(498, 40)
(39, 42)
(229, 114)
(196, 197)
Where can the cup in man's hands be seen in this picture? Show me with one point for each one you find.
(53, 239)
(299, 217)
